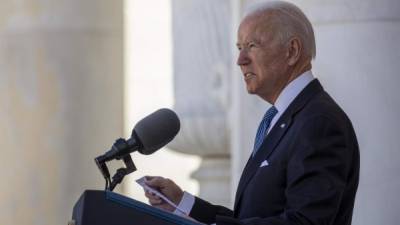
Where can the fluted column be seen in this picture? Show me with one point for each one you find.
(357, 61)
(61, 103)
(201, 40)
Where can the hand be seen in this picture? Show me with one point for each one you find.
(168, 188)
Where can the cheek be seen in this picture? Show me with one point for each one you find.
(265, 68)
(265, 61)
(273, 66)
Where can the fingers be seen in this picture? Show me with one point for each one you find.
(158, 202)
(153, 199)
(166, 186)
(157, 182)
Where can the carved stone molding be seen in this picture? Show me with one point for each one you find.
(201, 35)
(202, 62)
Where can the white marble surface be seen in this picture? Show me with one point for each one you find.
(201, 73)
(358, 65)
(61, 96)
(201, 59)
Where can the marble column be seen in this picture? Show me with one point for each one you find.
(61, 76)
(201, 50)
(357, 61)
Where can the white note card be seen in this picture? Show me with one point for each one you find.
(142, 183)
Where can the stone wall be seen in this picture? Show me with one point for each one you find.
(61, 94)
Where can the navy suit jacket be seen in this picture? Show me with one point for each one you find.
(313, 170)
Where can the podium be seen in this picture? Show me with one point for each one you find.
(109, 208)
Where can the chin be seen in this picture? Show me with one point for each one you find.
(251, 90)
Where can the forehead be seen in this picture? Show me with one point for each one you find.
(255, 27)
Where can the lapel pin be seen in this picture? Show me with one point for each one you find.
(283, 125)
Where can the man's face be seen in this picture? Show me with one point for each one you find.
(261, 58)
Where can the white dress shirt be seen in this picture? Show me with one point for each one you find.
(288, 94)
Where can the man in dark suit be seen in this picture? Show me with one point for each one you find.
(304, 168)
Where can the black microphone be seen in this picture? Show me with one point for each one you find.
(149, 134)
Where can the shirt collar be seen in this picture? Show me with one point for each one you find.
(290, 92)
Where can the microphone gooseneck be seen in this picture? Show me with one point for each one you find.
(149, 134)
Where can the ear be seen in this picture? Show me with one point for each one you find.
(294, 51)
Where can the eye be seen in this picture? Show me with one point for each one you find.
(252, 45)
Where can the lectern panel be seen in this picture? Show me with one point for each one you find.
(108, 208)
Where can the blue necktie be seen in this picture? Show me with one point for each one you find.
(263, 127)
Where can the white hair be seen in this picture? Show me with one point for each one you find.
(290, 21)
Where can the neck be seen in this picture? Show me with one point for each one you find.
(297, 71)
(294, 73)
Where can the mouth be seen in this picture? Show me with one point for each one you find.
(248, 76)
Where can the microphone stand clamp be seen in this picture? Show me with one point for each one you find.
(119, 144)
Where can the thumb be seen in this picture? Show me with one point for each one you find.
(158, 182)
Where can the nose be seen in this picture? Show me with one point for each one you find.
(243, 58)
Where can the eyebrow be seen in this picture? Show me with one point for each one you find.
(238, 44)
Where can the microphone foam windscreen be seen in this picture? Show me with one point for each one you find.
(156, 130)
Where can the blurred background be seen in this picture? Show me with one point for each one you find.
(77, 74)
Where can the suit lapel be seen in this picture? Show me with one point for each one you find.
(274, 136)
(265, 150)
